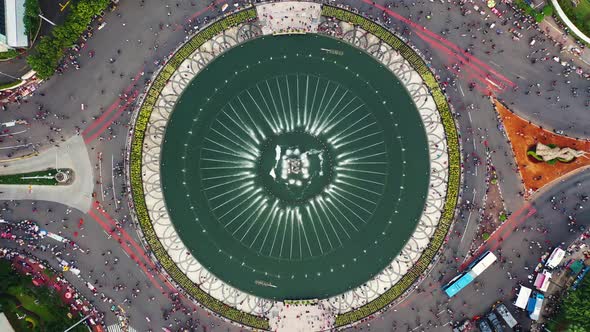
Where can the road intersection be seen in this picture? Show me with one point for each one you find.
(97, 101)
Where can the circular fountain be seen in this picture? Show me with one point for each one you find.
(268, 171)
(296, 169)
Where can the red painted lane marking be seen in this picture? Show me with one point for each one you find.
(113, 105)
(126, 248)
(112, 119)
(436, 36)
(471, 68)
(512, 221)
(135, 245)
(217, 2)
(509, 231)
(125, 235)
(162, 278)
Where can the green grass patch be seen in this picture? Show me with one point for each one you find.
(28, 302)
(579, 15)
(10, 84)
(8, 54)
(45, 178)
(18, 297)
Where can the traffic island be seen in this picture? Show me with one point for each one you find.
(286, 160)
(48, 177)
(527, 138)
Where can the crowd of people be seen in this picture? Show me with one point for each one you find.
(178, 314)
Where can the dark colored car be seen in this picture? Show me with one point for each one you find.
(495, 322)
(484, 326)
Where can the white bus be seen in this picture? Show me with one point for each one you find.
(555, 258)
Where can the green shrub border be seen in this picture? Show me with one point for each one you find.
(6, 86)
(8, 55)
(141, 210)
(454, 165)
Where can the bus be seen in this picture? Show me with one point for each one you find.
(555, 258)
(473, 270)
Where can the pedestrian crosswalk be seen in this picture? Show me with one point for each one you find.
(119, 328)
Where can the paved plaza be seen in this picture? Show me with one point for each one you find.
(295, 166)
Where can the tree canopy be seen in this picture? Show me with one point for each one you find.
(51, 48)
(576, 307)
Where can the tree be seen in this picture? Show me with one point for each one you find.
(548, 10)
(52, 48)
(576, 305)
(575, 328)
(31, 19)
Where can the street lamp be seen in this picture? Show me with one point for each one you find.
(46, 19)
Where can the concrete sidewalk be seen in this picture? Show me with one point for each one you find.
(567, 40)
(71, 154)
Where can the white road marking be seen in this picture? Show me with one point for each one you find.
(469, 114)
(438, 313)
(465, 231)
(447, 323)
(9, 134)
(468, 217)
(100, 175)
(15, 146)
(493, 83)
(125, 252)
(495, 64)
(461, 89)
(113, 180)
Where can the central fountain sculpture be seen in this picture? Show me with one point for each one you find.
(295, 169)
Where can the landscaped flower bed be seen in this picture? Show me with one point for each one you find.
(45, 178)
(524, 136)
(454, 161)
(137, 182)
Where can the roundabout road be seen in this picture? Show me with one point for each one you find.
(137, 35)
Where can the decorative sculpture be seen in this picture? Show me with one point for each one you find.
(551, 153)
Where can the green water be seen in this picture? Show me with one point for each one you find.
(290, 166)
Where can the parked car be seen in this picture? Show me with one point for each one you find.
(484, 326)
(495, 322)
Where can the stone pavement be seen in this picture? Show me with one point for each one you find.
(71, 154)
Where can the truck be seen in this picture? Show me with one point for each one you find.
(506, 315)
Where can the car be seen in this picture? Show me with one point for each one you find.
(467, 325)
(495, 322)
(484, 326)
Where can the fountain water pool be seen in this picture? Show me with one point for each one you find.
(298, 168)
